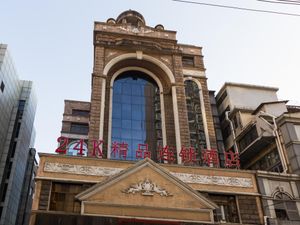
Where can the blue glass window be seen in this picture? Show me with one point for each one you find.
(135, 119)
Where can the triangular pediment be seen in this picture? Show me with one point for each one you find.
(144, 189)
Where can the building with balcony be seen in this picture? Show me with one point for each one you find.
(264, 130)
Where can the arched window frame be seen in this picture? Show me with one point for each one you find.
(159, 84)
(204, 118)
(75, 142)
(284, 205)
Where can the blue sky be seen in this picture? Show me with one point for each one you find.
(52, 45)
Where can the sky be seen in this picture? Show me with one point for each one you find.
(51, 42)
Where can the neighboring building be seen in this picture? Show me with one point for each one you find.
(289, 131)
(17, 110)
(244, 129)
(265, 129)
(280, 197)
(75, 124)
(25, 205)
(265, 132)
(149, 134)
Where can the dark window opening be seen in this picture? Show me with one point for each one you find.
(4, 192)
(281, 214)
(21, 105)
(13, 149)
(79, 128)
(79, 112)
(18, 130)
(188, 60)
(21, 108)
(2, 86)
(8, 172)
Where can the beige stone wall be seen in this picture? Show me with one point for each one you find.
(41, 175)
(112, 201)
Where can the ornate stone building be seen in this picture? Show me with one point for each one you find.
(147, 148)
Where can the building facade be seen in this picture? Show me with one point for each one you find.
(17, 110)
(263, 129)
(148, 148)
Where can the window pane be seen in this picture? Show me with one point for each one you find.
(197, 134)
(134, 112)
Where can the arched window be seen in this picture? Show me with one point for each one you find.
(74, 146)
(195, 117)
(136, 117)
(285, 207)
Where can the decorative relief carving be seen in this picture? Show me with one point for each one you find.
(80, 169)
(216, 180)
(133, 29)
(147, 188)
(185, 177)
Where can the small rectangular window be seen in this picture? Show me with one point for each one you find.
(21, 105)
(79, 112)
(3, 194)
(188, 60)
(9, 170)
(79, 128)
(18, 130)
(2, 86)
(21, 108)
(13, 149)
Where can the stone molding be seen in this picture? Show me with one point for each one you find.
(185, 177)
(215, 180)
(193, 73)
(80, 169)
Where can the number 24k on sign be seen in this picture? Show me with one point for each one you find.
(209, 157)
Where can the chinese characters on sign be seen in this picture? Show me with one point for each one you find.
(165, 154)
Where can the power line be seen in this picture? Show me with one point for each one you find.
(281, 2)
(238, 8)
